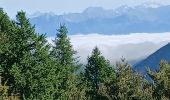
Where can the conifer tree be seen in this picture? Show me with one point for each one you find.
(6, 43)
(131, 85)
(34, 72)
(74, 90)
(62, 50)
(161, 81)
(25, 63)
(63, 53)
(6, 48)
(98, 72)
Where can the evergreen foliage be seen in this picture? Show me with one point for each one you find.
(63, 54)
(161, 81)
(131, 85)
(98, 73)
(32, 69)
(62, 49)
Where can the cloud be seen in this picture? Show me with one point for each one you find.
(133, 47)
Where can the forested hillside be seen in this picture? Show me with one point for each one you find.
(33, 69)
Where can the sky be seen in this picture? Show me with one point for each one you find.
(67, 6)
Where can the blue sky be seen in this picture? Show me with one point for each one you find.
(66, 6)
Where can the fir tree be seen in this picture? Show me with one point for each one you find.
(98, 72)
(25, 64)
(161, 81)
(131, 85)
(6, 45)
(63, 53)
(34, 71)
(62, 50)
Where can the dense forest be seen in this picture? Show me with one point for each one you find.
(33, 69)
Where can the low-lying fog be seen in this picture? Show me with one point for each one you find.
(133, 47)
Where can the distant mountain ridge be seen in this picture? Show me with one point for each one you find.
(154, 59)
(123, 20)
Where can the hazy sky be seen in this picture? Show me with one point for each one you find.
(66, 6)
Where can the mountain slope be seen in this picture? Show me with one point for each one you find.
(123, 20)
(153, 60)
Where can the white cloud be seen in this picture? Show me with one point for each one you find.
(133, 47)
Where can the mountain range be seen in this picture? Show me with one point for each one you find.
(122, 20)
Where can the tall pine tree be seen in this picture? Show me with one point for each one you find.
(63, 53)
(26, 66)
(62, 50)
(98, 72)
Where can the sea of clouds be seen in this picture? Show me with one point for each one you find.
(134, 47)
